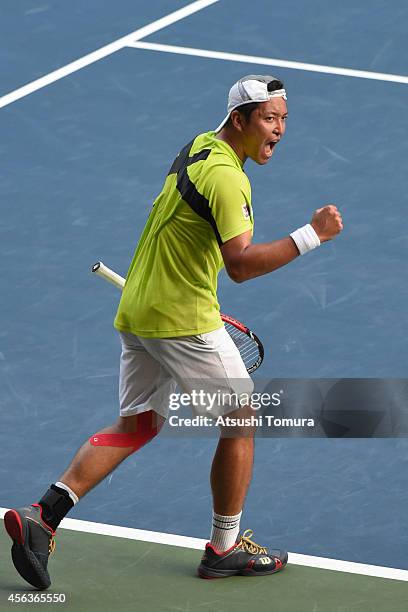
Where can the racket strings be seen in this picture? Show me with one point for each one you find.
(246, 345)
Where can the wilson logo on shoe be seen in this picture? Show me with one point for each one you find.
(265, 560)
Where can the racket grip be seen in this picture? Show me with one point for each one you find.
(101, 270)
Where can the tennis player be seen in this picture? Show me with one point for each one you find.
(171, 331)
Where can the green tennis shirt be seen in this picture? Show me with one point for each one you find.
(171, 285)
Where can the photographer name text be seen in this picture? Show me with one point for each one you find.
(226, 421)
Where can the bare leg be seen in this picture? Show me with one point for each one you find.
(231, 470)
(93, 463)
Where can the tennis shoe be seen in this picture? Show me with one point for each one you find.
(33, 542)
(245, 558)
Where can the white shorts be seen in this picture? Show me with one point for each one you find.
(151, 369)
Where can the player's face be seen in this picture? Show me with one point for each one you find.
(264, 130)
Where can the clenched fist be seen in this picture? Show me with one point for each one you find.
(327, 222)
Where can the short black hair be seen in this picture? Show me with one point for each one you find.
(247, 109)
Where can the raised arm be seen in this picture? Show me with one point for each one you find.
(244, 260)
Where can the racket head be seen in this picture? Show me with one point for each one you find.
(249, 345)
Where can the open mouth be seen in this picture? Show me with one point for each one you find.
(270, 146)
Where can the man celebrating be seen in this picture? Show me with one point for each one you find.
(171, 331)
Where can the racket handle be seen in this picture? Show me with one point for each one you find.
(101, 270)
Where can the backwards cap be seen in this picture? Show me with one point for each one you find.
(251, 88)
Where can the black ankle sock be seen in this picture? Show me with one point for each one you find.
(55, 504)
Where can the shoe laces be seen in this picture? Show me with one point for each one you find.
(51, 546)
(249, 546)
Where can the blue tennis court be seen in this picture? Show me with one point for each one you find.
(83, 157)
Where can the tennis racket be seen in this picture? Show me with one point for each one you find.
(248, 343)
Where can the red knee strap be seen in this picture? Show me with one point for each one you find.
(145, 432)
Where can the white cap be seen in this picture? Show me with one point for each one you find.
(251, 88)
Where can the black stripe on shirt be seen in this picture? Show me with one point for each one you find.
(187, 189)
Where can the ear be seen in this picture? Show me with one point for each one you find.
(237, 120)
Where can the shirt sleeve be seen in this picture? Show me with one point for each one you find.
(229, 195)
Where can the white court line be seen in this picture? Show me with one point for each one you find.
(268, 61)
(197, 544)
(116, 45)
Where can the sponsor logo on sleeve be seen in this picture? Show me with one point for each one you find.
(245, 211)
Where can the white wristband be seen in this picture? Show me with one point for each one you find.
(305, 239)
